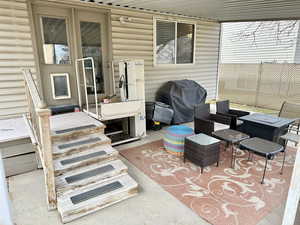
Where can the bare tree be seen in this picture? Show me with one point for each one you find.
(281, 31)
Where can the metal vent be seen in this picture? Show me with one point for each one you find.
(82, 158)
(75, 129)
(77, 143)
(96, 192)
(90, 173)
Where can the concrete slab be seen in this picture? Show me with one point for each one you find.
(151, 206)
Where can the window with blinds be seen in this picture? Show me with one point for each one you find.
(55, 46)
(174, 42)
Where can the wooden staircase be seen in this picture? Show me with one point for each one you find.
(88, 174)
(82, 171)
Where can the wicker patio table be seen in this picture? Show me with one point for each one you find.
(201, 149)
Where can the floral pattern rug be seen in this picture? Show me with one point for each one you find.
(221, 195)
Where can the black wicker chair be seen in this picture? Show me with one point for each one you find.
(224, 109)
(204, 120)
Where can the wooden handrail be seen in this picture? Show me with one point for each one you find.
(34, 93)
(39, 116)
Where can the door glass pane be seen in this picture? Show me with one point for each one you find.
(185, 43)
(55, 46)
(91, 47)
(165, 42)
(61, 86)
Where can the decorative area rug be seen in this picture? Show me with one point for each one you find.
(221, 195)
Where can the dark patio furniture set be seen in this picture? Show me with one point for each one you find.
(259, 134)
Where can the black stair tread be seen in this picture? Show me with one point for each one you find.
(80, 142)
(92, 197)
(76, 199)
(75, 128)
(82, 157)
(89, 174)
(64, 122)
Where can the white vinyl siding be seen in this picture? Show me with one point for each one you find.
(16, 52)
(297, 48)
(266, 48)
(134, 39)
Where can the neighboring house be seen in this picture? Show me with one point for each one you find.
(259, 60)
(47, 37)
(240, 46)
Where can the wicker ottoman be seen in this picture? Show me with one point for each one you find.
(202, 150)
(174, 139)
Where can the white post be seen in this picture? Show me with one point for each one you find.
(5, 213)
(293, 195)
(95, 86)
(84, 80)
(78, 84)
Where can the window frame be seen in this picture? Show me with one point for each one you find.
(52, 75)
(155, 19)
(43, 38)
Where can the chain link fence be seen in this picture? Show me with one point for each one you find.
(265, 85)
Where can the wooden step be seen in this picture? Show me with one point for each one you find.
(99, 172)
(64, 148)
(94, 197)
(87, 157)
(70, 125)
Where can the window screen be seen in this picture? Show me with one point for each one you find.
(165, 42)
(185, 43)
(55, 46)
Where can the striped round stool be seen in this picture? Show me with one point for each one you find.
(174, 139)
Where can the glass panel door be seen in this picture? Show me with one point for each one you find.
(55, 45)
(92, 38)
(91, 47)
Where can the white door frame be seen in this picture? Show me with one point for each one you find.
(73, 41)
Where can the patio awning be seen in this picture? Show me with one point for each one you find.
(220, 10)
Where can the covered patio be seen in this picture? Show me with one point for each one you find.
(153, 205)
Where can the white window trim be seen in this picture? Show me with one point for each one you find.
(155, 19)
(53, 88)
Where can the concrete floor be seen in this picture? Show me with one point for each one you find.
(152, 206)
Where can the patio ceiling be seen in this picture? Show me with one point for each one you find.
(220, 10)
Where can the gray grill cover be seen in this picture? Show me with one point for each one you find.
(182, 96)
